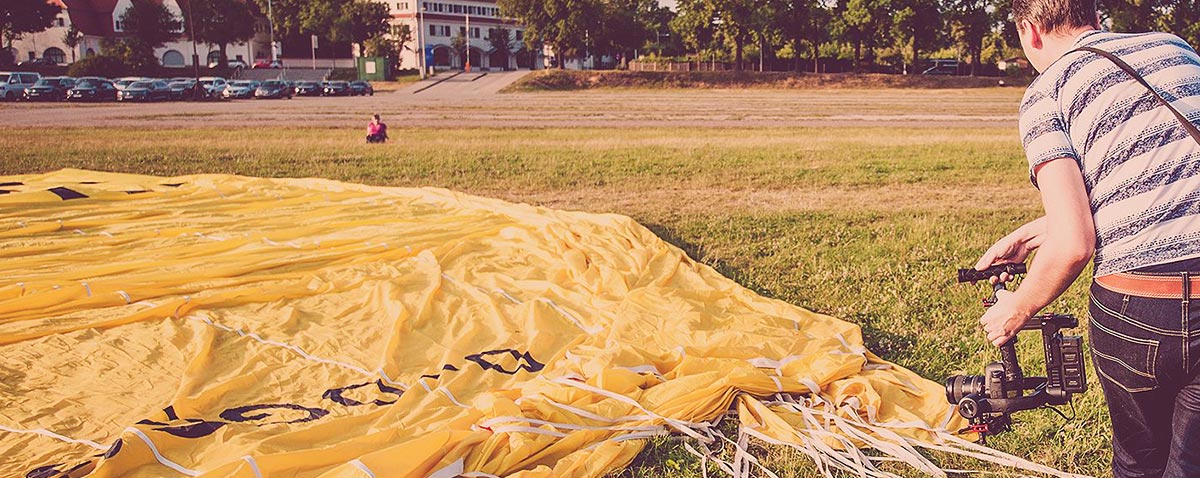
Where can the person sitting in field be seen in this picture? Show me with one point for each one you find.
(376, 130)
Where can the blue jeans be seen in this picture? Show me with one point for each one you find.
(1145, 351)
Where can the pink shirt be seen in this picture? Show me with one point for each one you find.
(373, 128)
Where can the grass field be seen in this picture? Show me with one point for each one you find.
(866, 223)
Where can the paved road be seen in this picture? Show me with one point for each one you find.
(452, 86)
(461, 102)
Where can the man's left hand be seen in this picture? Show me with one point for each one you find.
(1004, 319)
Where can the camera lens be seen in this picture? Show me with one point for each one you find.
(959, 386)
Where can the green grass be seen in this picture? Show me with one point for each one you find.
(866, 224)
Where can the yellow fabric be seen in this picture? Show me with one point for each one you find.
(224, 326)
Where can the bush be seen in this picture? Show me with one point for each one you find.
(107, 66)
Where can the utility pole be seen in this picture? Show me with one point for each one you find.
(467, 54)
(196, 88)
(271, 21)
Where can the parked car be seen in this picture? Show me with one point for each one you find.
(309, 88)
(336, 88)
(13, 83)
(214, 85)
(273, 64)
(181, 89)
(277, 89)
(145, 91)
(361, 88)
(122, 83)
(92, 89)
(240, 89)
(37, 62)
(235, 63)
(50, 88)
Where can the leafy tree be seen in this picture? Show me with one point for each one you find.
(500, 39)
(137, 55)
(402, 38)
(561, 24)
(861, 23)
(220, 22)
(970, 24)
(916, 23)
(72, 38)
(657, 23)
(1183, 19)
(1133, 15)
(802, 21)
(621, 27)
(150, 23)
(362, 20)
(735, 21)
(694, 24)
(25, 16)
(385, 47)
(458, 44)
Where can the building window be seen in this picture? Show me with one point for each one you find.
(445, 30)
(520, 35)
(433, 30)
(55, 56)
(475, 32)
(172, 58)
(120, 26)
(60, 22)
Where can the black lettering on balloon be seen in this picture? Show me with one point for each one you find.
(197, 429)
(44, 471)
(239, 414)
(67, 194)
(336, 394)
(114, 449)
(524, 361)
(170, 411)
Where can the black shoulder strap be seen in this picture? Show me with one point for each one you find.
(1187, 125)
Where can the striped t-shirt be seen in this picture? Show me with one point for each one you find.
(1140, 167)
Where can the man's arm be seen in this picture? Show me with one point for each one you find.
(1067, 244)
(1014, 247)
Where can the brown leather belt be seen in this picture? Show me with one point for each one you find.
(1169, 286)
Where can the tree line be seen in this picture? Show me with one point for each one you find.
(870, 35)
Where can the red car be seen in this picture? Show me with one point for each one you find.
(267, 64)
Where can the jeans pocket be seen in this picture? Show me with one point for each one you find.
(1122, 355)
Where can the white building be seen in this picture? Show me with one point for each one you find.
(101, 19)
(434, 23)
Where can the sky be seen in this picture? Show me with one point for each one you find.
(667, 3)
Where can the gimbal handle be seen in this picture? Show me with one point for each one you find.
(1008, 350)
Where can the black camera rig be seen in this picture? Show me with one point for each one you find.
(987, 401)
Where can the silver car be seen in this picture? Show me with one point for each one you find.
(13, 83)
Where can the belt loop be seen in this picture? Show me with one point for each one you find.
(1187, 288)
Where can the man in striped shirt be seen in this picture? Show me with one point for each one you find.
(1119, 175)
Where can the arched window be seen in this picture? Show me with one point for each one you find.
(89, 52)
(172, 58)
(55, 55)
(214, 56)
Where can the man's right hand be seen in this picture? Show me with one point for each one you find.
(1014, 247)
